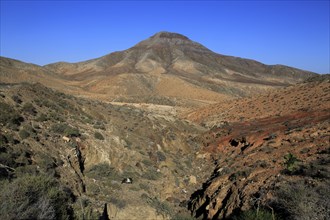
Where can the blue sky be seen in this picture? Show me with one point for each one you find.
(293, 33)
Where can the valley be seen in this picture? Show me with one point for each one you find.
(200, 135)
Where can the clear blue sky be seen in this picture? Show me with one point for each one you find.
(293, 33)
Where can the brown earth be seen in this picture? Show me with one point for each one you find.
(299, 98)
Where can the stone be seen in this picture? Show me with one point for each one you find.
(192, 180)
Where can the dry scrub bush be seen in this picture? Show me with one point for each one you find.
(34, 197)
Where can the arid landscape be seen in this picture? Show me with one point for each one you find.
(166, 129)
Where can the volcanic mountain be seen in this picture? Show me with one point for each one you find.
(265, 156)
(167, 68)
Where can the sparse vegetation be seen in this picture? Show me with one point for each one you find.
(98, 136)
(24, 134)
(34, 197)
(183, 216)
(16, 99)
(299, 200)
(147, 162)
(240, 174)
(256, 214)
(65, 129)
(42, 117)
(151, 174)
(160, 156)
(99, 125)
(162, 208)
(3, 140)
(145, 187)
(120, 203)
(9, 116)
(29, 108)
(103, 170)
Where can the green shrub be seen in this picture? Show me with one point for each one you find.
(160, 156)
(11, 139)
(9, 116)
(86, 212)
(56, 117)
(183, 216)
(29, 108)
(102, 170)
(99, 125)
(290, 162)
(162, 208)
(86, 120)
(118, 202)
(65, 129)
(46, 163)
(3, 140)
(145, 187)
(255, 214)
(24, 134)
(34, 197)
(8, 159)
(147, 162)
(151, 174)
(299, 200)
(28, 129)
(16, 99)
(28, 169)
(49, 104)
(240, 174)
(42, 117)
(98, 136)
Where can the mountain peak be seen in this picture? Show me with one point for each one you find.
(166, 38)
(170, 35)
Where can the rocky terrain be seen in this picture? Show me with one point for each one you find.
(270, 151)
(90, 147)
(167, 129)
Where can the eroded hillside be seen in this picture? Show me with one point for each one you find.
(89, 147)
(271, 153)
(237, 161)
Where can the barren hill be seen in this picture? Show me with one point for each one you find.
(168, 68)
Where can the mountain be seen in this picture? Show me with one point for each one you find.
(15, 71)
(169, 68)
(73, 134)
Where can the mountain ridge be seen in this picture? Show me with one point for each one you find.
(167, 62)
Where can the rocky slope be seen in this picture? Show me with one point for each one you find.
(270, 151)
(276, 160)
(89, 147)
